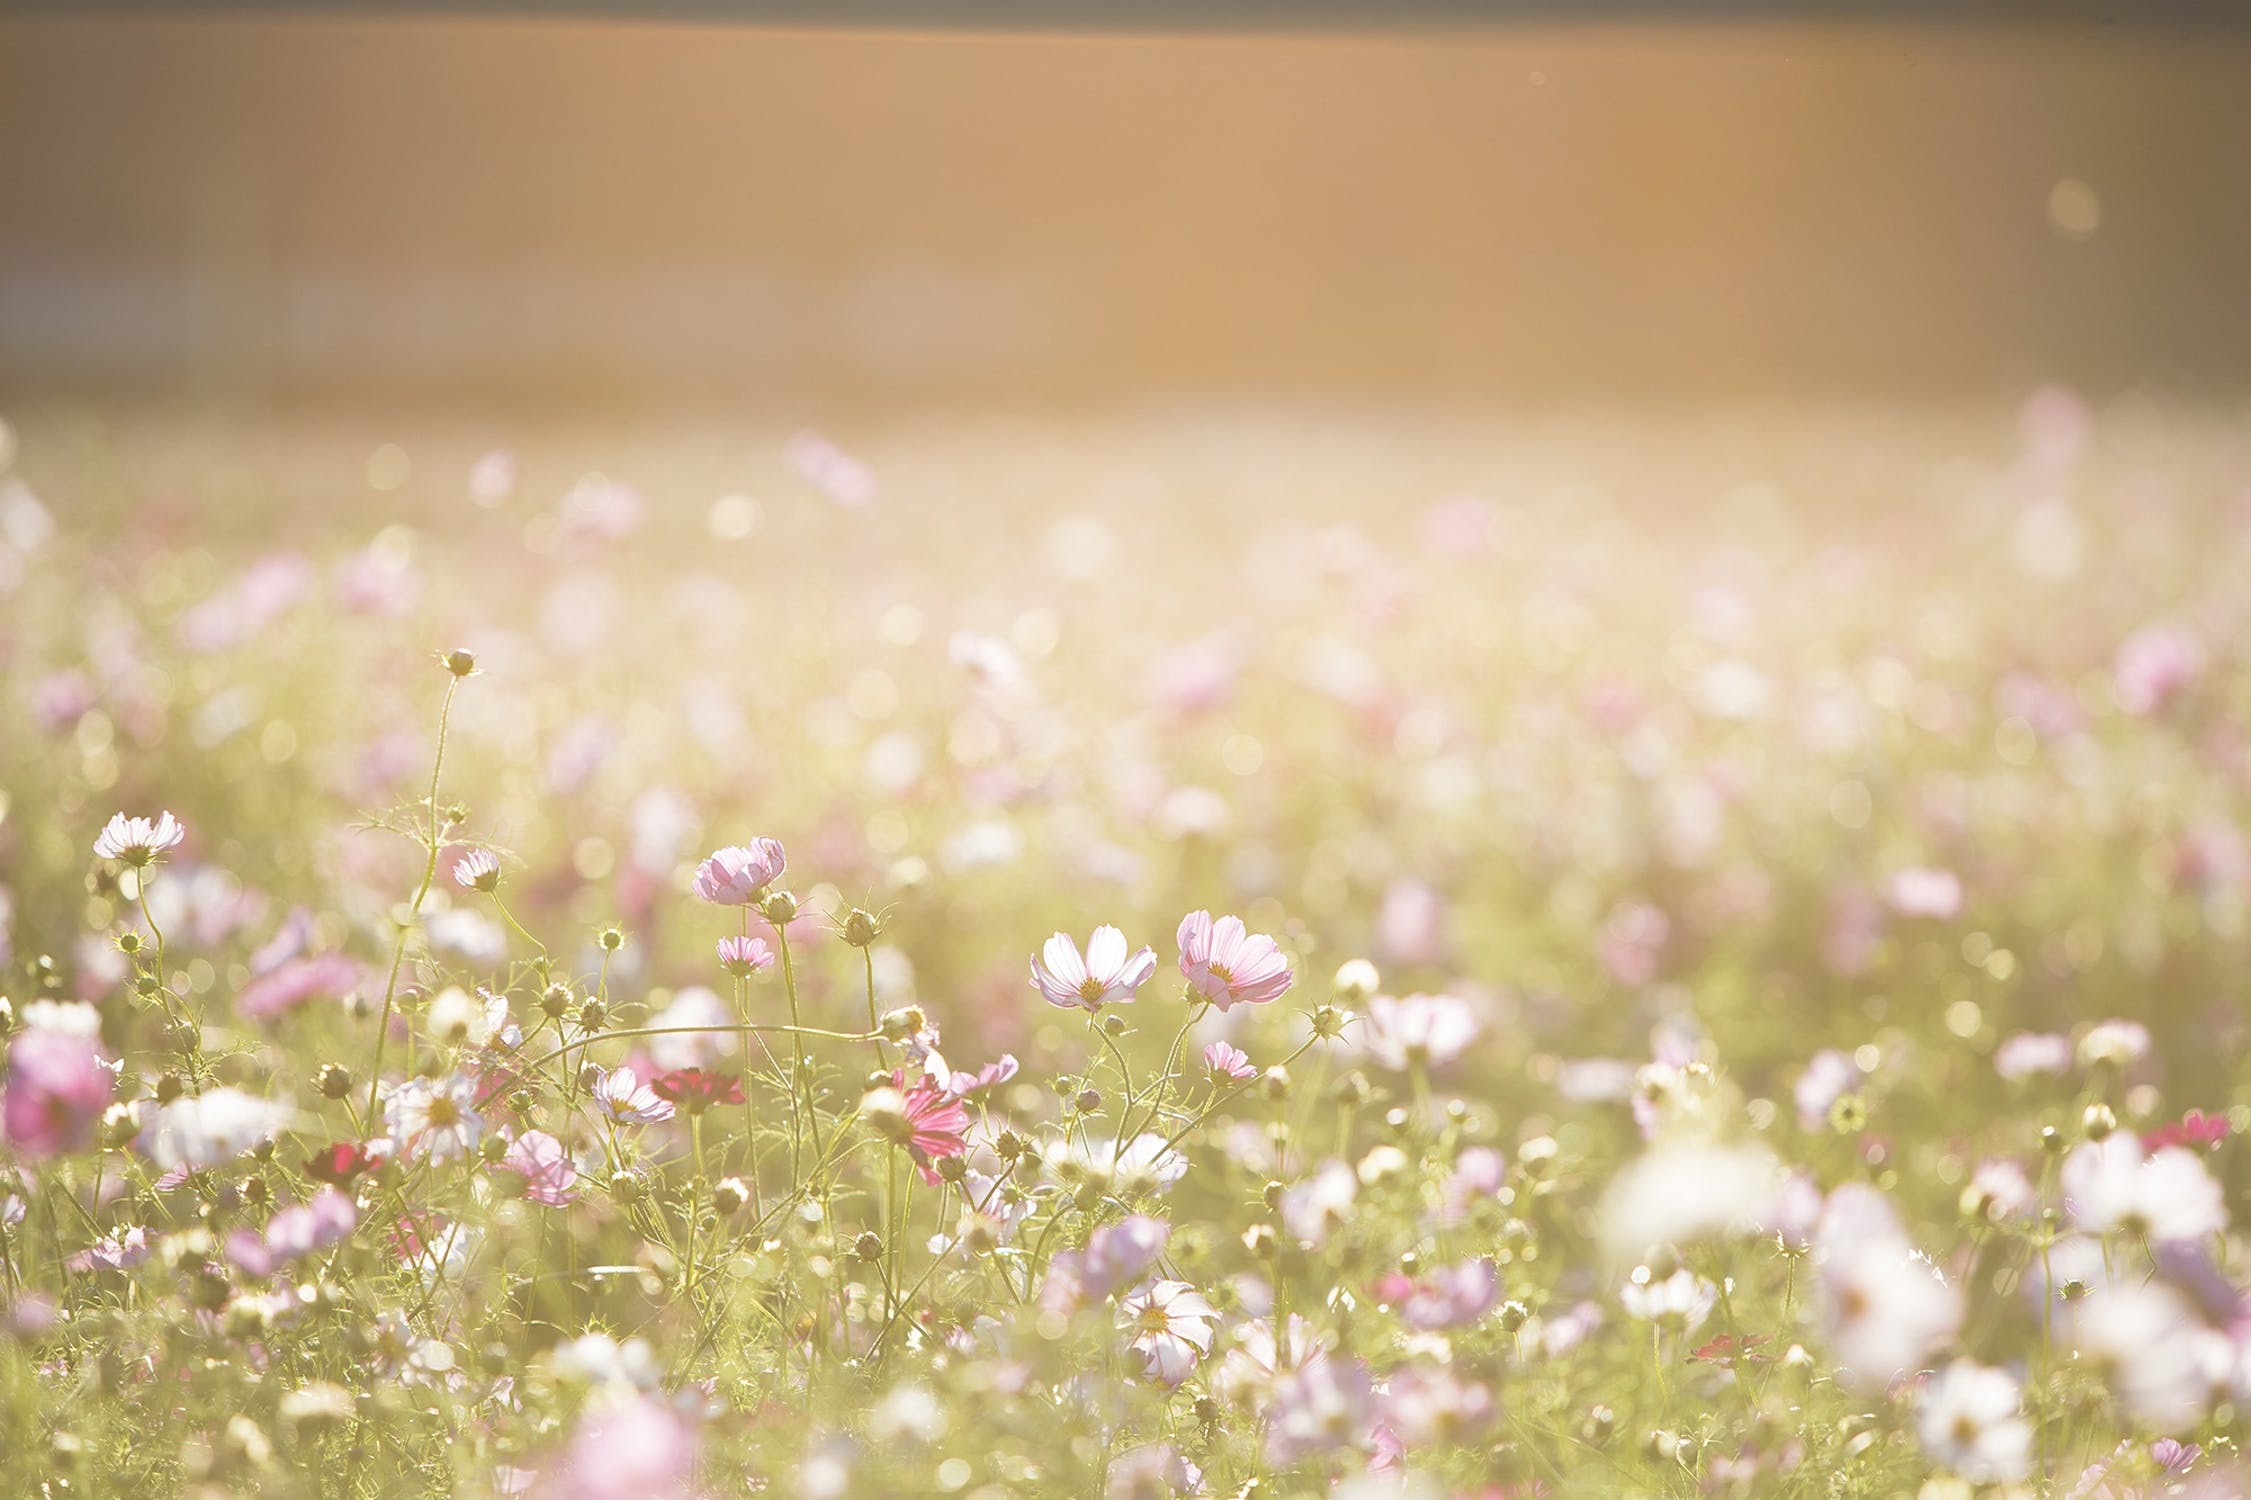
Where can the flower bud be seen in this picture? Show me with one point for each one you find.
(728, 1195)
(555, 1000)
(869, 1246)
(611, 939)
(906, 1021)
(862, 927)
(1357, 980)
(459, 662)
(333, 1080)
(2098, 1121)
(1329, 1021)
(779, 908)
(128, 943)
(1087, 1101)
(169, 1087)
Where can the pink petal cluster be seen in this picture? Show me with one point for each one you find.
(294, 1233)
(57, 1088)
(550, 1176)
(739, 874)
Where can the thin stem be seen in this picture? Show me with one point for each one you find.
(414, 907)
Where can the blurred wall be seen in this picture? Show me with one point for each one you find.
(526, 209)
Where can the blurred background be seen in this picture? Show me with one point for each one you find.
(515, 211)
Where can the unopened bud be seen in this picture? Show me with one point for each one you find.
(862, 927)
(459, 662)
(334, 1080)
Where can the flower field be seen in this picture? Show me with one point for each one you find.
(1195, 955)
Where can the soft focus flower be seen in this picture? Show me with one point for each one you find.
(293, 1233)
(1971, 1420)
(1926, 892)
(1402, 1032)
(1108, 975)
(1172, 1325)
(137, 841)
(2112, 1184)
(632, 1447)
(57, 1087)
(1318, 1407)
(1882, 1305)
(1228, 965)
(2028, 1053)
(205, 1130)
(1445, 1298)
(550, 1176)
(738, 875)
(2194, 1129)
(1682, 1300)
(623, 1097)
(698, 1089)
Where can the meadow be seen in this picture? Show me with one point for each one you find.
(1204, 953)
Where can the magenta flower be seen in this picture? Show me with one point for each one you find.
(1228, 965)
(744, 956)
(58, 1087)
(550, 1176)
(294, 1233)
(993, 1074)
(1106, 976)
(698, 1089)
(925, 1120)
(737, 875)
(138, 841)
(1447, 1297)
(1228, 1061)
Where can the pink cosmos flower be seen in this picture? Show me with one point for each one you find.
(992, 1075)
(294, 981)
(1172, 1325)
(550, 1176)
(638, 1448)
(928, 1122)
(1445, 1298)
(739, 874)
(294, 1233)
(621, 1095)
(57, 1088)
(119, 1250)
(1229, 1061)
(138, 841)
(1106, 976)
(1400, 1030)
(744, 956)
(698, 1088)
(2196, 1128)
(1228, 965)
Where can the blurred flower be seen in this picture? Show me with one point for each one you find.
(925, 1120)
(1882, 1305)
(2031, 1052)
(1108, 975)
(1682, 1300)
(203, 1130)
(2112, 1184)
(57, 1088)
(1971, 1420)
(2155, 664)
(1228, 965)
(1925, 892)
(550, 1176)
(477, 870)
(1404, 1032)
(1444, 1298)
(696, 1089)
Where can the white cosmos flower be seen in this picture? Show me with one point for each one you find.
(1312, 1208)
(1682, 1300)
(1399, 1030)
(1882, 1305)
(434, 1119)
(2110, 1185)
(2161, 1359)
(1971, 1420)
(204, 1130)
(137, 841)
(1107, 975)
(1172, 1328)
(1679, 1193)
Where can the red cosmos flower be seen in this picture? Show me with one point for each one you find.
(337, 1165)
(697, 1089)
(929, 1122)
(1725, 1350)
(2196, 1128)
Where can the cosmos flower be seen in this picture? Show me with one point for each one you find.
(293, 1233)
(2167, 1194)
(201, 1131)
(621, 1095)
(1682, 1300)
(343, 1161)
(2194, 1129)
(1106, 976)
(1228, 965)
(744, 956)
(1883, 1306)
(1172, 1327)
(138, 841)
(1400, 1032)
(992, 1075)
(926, 1121)
(57, 1087)
(550, 1176)
(698, 1089)
(1318, 1407)
(738, 874)
(477, 870)
(1225, 1060)
(1971, 1421)
(434, 1119)
(1447, 1297)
